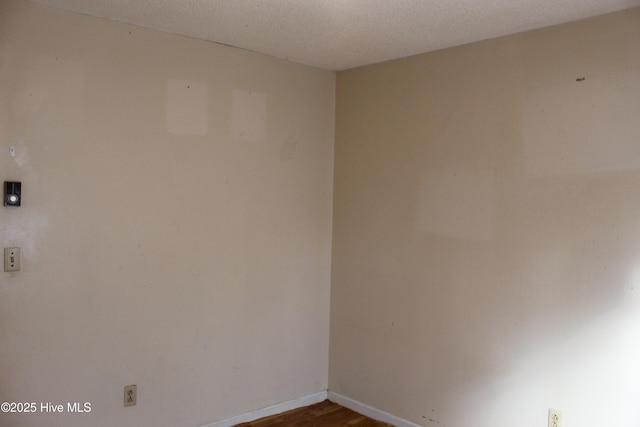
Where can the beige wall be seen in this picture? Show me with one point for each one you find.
(175, 228)
(486, 241)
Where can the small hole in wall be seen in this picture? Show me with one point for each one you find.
(580, 79)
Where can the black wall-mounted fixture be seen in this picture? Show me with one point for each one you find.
(12, 193)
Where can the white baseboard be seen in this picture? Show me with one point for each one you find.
(271, 410)
(369, 411)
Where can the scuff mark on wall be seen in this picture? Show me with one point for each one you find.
(290, 145)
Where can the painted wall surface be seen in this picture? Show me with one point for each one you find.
(486, 241)
(175, 225)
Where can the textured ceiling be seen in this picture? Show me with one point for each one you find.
(341, 34)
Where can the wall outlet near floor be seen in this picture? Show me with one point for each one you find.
(130, 395)
(555, 418)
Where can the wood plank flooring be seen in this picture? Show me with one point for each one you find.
(323, 414)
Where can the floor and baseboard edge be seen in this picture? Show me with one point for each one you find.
(271, 410)
(369, 411)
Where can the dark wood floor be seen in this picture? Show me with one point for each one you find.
(323, 414)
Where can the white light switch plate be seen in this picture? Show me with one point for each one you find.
(11, 259)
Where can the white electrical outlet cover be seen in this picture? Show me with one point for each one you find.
(555, 418)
